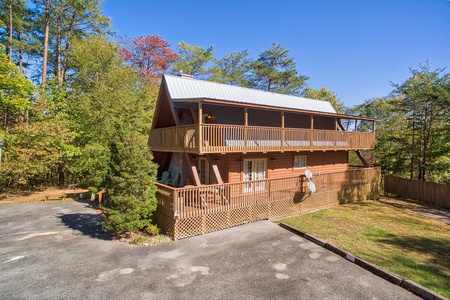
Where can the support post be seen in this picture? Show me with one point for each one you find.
(215, 169)
(282, 130)
(362, 159)
(245, 128)
(336, 133)
(193, 169)
(200, 131)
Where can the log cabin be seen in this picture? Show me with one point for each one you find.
(240, 155)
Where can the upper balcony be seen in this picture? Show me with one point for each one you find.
(220, 138)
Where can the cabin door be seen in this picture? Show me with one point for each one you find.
(254, 169)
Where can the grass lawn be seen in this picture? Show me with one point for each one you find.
(389, 234)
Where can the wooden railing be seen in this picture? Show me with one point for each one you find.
(190, 202)
(175, 139)
(218, 138)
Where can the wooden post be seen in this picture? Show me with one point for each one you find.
(100, 195)
(336, 133)
(193, 169)
(176, 206)
(200, 133)
(282, 130)
(312, 132)
(215, 169)
(245, 128)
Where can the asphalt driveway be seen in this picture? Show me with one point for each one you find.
(58, 251)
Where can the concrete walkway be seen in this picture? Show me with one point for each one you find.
(57, 251)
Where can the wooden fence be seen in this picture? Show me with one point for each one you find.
(430, 192)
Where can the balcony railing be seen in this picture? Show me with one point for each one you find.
(218, 138)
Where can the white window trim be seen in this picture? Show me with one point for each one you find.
(255, 187)
(300, 158)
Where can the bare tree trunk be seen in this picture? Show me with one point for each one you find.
(66, 48)
(58, 51)
(47, 29)
(10, 32)
(20, 55)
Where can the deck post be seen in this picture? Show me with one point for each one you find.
(282, 130)
(175, 224)
(200, 133)
(337, 132)
(245, 128)
(312, 132)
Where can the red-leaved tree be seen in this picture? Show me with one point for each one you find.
(150, 54)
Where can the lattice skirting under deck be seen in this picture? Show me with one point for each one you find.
(229, 216)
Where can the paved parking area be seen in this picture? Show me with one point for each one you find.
(58, 251)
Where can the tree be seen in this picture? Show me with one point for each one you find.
(421, 99)
(275, 71)
(151, 55)
(233, 69)
(111, 109)
(74, 19)
(325, 94)
(17, 32)
(193, 60)
(45, 43)
(39, 148)
(390, 147)
(57, 22)
(15, 91)
(131, 203)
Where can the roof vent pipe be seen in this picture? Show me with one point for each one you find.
(184, 75)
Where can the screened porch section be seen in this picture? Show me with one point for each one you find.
(206, 128)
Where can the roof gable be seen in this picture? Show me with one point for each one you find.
(188, 89)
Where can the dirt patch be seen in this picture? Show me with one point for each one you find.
(48, 195)
(424, 210)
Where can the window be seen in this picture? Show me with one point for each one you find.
(254, 169)
(300, 161)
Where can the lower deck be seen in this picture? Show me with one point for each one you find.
(188, 211)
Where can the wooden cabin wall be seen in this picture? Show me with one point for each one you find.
(163, 117)
(280, 165)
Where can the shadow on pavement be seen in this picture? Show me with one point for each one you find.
(87, 224)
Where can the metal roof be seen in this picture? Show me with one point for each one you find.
(186, 88)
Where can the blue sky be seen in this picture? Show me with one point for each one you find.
(353, 47)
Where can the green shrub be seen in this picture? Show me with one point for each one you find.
(138, 240)
(131, 197)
